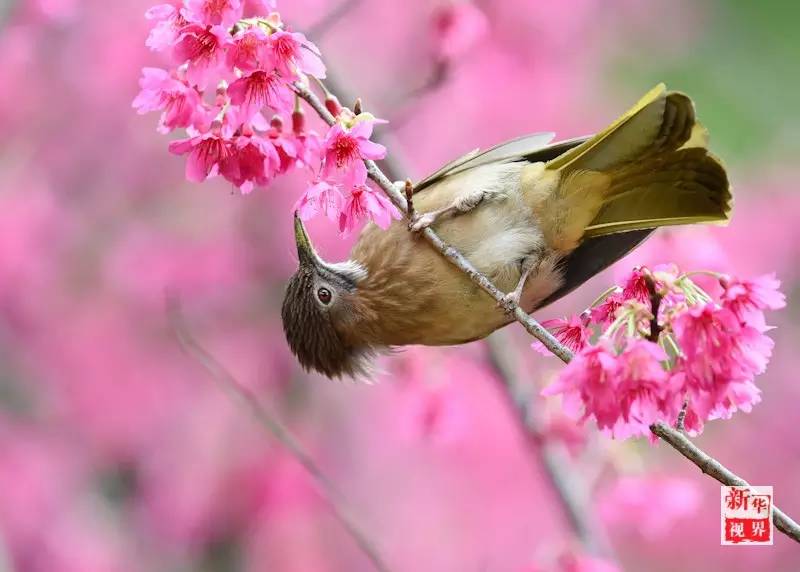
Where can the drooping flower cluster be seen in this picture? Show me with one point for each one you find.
(633, 368)
(230, 86)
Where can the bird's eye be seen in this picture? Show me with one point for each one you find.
(324, 296)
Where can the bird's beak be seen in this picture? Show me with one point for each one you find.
(305, 250)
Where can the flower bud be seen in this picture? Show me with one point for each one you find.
(221, 97)
(332, 104)
(298, 122)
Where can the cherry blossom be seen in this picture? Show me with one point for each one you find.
(705, 352)
(168, 24)
(181, 103)
(203, 50)
(572, 332)
(308, 144)
(643, 391)
(321, 197)
(635, 287)
(287, 145)
(121, 454)
(364, 202)
(249, 50)
(260, 89)
(588, 385)
(716, 345)
(346, 148)
(605, 312)
(745, 297)
(208, 154)
(251, 64)
(291, 53)
(253, 161)
(213, 12)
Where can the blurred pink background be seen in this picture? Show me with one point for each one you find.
(119, 453)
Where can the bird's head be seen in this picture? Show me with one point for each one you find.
(319, 309)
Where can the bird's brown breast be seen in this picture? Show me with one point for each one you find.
(413, 295)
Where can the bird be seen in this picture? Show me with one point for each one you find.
(537, 217)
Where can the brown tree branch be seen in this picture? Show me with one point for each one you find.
(570, 489)
(454, 256)
(655, 306)
(675, 438)
(679, 423)
(240, 393)
(7, 8)
(332, 18)
(570, 493)
(716, 470)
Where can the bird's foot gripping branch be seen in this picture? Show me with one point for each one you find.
(658, 351)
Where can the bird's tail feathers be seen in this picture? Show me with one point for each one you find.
(649, 168)
(660, 122)
(685, 186)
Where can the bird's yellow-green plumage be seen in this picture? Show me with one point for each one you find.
(637, 173)
(649, 168)
(536, 218)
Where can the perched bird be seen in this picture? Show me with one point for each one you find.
(538, 219)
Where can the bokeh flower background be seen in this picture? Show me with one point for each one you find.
(119, 453)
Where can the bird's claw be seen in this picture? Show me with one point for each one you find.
(510, 301)
(421, 221)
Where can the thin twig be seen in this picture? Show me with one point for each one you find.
(239, 392)
(403, 111)
(329, 20)
(555, 462)
(409, 190)
(655, 306)
(679, 441)
(671, 436)
(450, 253)
(7, 8)
(679, 423)
(718, 471)
(334, 84)
(655, 332)
(570, 490)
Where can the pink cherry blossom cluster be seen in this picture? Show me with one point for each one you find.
(231, 88)
(660, 344)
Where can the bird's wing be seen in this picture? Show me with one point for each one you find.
(446, 169)
(514, 150)
(595, 254)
